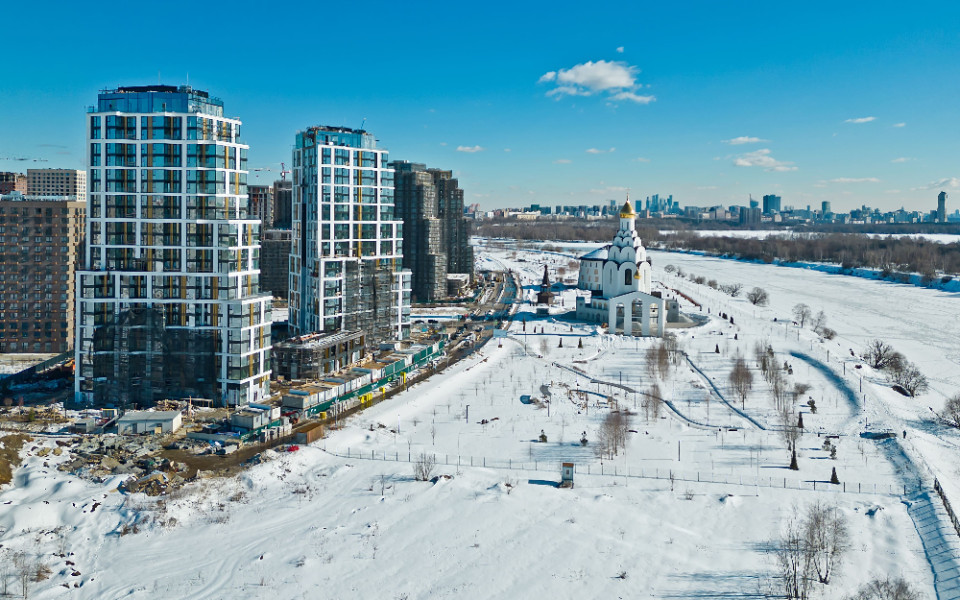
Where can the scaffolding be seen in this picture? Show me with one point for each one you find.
(138, 360)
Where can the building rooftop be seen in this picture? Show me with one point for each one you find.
(149, 415)
(157, 99)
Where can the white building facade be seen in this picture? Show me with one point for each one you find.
(346, 252)
(618, 277)
(169, 302)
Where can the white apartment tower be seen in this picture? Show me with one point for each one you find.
(346, 252)
(169, 302)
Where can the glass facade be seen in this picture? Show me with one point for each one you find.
(345, 261)
(169, 302)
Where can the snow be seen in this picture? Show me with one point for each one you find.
(315, 523)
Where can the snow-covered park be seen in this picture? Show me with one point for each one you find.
(689, 506)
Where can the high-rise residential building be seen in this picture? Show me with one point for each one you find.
(13, 182)
(749, 215)
(57, 182)
(169, 300)
(261, 204)
(435, 241)
(40, 245)
(771, 204)
(275, 262)
(282, 203)
(345, 259)
(942, 207)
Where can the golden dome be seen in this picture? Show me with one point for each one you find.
(627, 211)
(636, 275)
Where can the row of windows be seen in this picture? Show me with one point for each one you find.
(120, 127)
(208, 156)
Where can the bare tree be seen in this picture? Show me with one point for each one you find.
(423, 468)
(819, 322)
(612, 435)
(758, 296)
(801, 312)
(794, 562)
(827, 537)
(951, 412)
(663, 360)
(778, 385)
(733, 289)
(544, 347)
(886, 589)
(24, 569)
(878, 354)
(909, 378)
(810, 550)
(6, 571)
(741, 379)
(799, 389)
(652, 402)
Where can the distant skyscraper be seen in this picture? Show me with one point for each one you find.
(942, 207)
(169, 302)
(749, 216)
(435, 243)
(345, 258)
(57, 182)
(771, 204)
(282, 203)
(825, 207)
(754, 203)
(40, 246)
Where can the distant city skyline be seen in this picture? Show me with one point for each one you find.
(812, 103)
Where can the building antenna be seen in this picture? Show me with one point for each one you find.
(362, 123)
(158, 78)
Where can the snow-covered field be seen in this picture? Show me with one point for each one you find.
(345, 519)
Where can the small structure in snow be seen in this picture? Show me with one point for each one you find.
(566, 475)
(144, 421)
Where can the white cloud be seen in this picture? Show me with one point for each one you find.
(634, 97)
(861, 120)
(620, 49)
(855, 180)
(762, 158)
(470, 149)
(743, 139)
(617, 79)
(641, 159)
(597, 151)
(899, 124)
(443, 143)
(946, 182)
(902, 159)
(562, 161)
(506, 149)
(891, 191)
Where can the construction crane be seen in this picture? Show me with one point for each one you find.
(283, 171)
(259, 169)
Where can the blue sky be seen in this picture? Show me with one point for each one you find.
(550, 103)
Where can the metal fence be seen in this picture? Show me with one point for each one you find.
(619, 471)
(946, 504)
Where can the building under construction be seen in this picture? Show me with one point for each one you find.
(345, 257)
(316, 355)
(435, 241)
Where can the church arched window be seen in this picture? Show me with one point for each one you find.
(626, 276)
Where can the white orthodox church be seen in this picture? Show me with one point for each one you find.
(618, 279)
